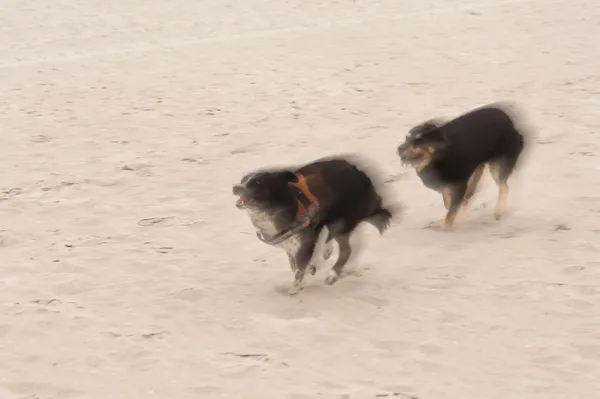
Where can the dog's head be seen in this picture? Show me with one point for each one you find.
(423, 144)
(261, 190)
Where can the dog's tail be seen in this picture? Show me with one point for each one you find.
(384, 211)
(381, 219)
(521, 123)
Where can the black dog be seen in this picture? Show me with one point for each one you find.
(291, 208)
(450, 157)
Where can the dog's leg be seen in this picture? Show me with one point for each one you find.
(301, 260)
(473, 182)
(345, 252)
(447, 196)
(322, 251)
(500, 177)
(292, 259)
(456, 199)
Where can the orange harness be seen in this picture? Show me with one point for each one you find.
(309, 207)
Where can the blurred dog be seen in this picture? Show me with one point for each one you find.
(450, 157)
(301, 209)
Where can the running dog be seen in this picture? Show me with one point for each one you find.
(449, 157)
(301, 209)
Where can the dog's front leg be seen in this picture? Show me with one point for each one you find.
(298, 275)
(292, 259)
(457, 194)
(301, 260)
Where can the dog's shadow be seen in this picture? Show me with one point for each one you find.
(479, 219)
(350, 281)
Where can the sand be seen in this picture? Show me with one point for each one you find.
(127, 272)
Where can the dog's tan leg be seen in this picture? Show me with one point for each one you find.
(502, 191)
(447, 195)
(473, 182)
(450, 219)
(457, 195)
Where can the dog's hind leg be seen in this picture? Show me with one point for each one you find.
(322, 252)
(344, 256)
(473, 182)
(300, 261)
(500, 172)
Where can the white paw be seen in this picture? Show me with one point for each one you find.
(332, 277)
(295, 289)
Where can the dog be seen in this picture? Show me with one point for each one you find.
(300, 209)
(450, 156)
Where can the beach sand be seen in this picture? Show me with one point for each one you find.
(127, 272)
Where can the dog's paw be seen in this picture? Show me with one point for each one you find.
(446, 227)
(286, 289)
(499, 213)
(440, 226)
(312, 269)
(332, 277)
(295, 289)
(436, 225)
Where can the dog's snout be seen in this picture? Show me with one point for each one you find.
(238, 190)
(401, 149)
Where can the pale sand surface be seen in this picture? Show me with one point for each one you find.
(118, 111)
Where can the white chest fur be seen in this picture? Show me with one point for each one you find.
(264, 223)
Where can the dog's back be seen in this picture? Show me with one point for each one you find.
(477, 137)
(350, 195)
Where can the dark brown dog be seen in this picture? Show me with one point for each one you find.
(298, 209)
(450, 157)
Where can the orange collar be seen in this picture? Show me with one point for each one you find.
(302, 185)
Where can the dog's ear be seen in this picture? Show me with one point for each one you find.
(434, 138)
(430, 125)
(434, 133)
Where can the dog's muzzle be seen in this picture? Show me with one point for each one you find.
(240, 191)
(403, 153)
(401, 149)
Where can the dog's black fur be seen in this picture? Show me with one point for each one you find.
(450, 156)
(346, 197)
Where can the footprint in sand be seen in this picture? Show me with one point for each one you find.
(141, 169)
(189, 295)
(10, 193)
(154, 221)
